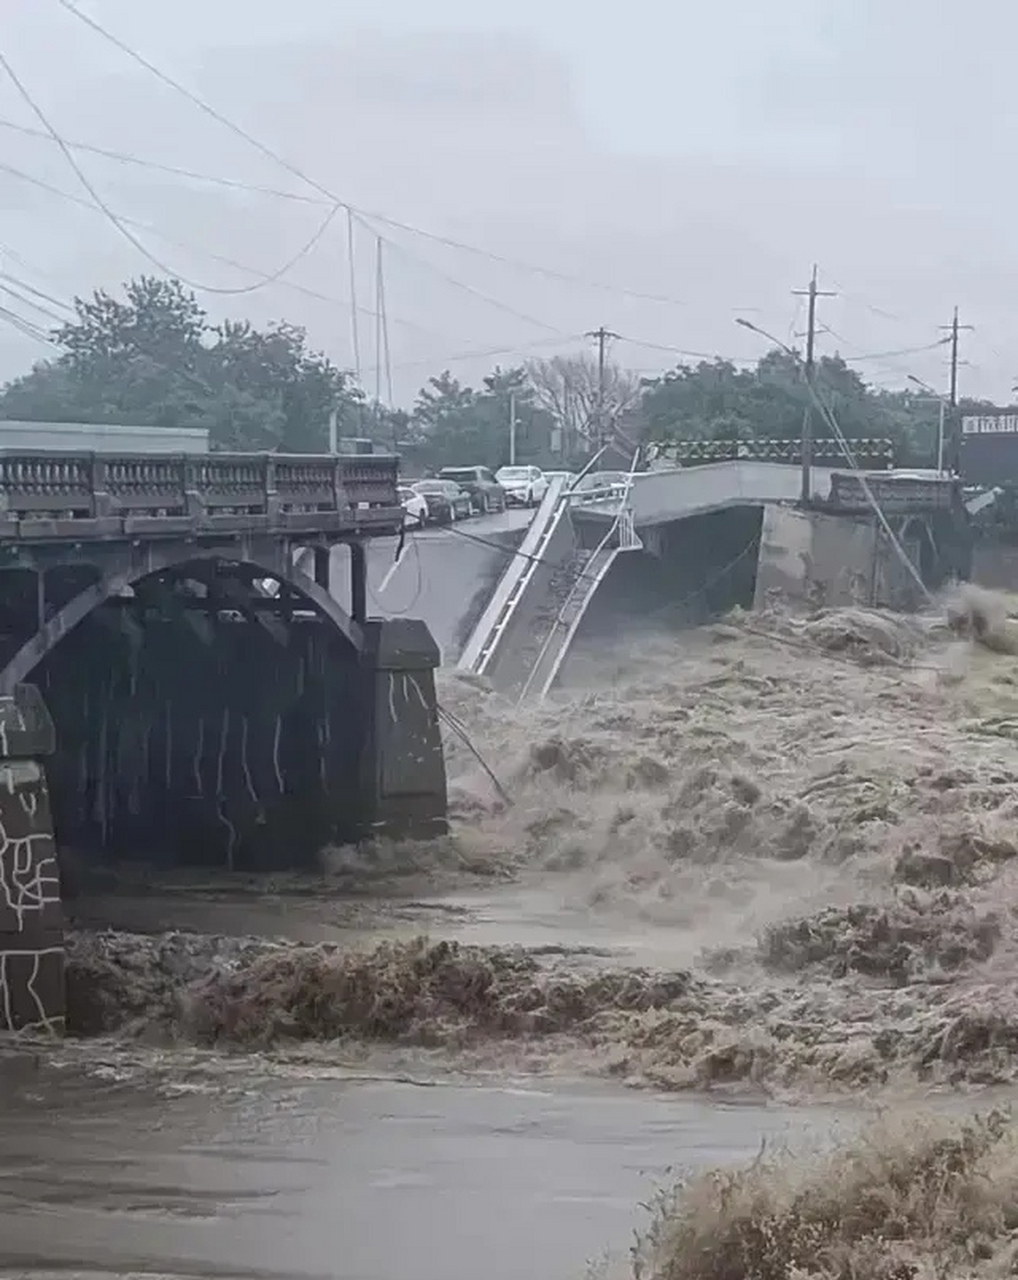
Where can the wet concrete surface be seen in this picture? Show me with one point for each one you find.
(352, 1181)
(439, 577)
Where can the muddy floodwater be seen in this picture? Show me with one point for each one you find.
(750, 883)
(350, 1180)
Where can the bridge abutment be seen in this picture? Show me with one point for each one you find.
(31, 919)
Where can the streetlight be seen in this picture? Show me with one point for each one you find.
(940, 425)
(748, 324)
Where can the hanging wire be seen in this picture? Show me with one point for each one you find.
(352, 270)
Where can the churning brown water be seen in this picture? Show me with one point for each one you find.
(771, 858)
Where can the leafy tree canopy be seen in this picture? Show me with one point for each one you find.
(717, 400)
(154, 359)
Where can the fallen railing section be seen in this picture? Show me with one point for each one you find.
(547, 664)
(496, 646)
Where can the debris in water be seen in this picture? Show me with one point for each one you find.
(797, 848)
(908, 1200)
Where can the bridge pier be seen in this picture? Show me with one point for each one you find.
(181, 741)
(402, 776)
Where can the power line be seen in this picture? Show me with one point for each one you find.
(470, 353)
(27, 302)
(276, 277)
(125, 230)
(479, 353)
(209, 253)
(176, 171)
(243, 134)
(280, 160)
(25, 327)
(259, 189)
(890, 355)
(681, 351)
(462, 284)
(38, 293)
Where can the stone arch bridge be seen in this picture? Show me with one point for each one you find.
(174, 688)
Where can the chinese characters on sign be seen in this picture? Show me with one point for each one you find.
(996, 424)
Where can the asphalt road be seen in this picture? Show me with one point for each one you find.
(442, 577)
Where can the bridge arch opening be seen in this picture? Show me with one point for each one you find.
(204, 720)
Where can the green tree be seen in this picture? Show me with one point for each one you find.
(153, 359)
(716, 400)
(452, 423)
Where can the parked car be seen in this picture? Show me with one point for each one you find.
(415, 506)
(600, 486)
(485, 491)
(524, 486)
(445, 500)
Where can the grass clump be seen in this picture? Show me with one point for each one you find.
(936, 1200)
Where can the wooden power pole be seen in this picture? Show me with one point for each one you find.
(601, 337)
(954, 452)
(812, 293)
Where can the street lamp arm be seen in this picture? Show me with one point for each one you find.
(755, 328)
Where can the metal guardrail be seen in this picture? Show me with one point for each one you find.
(483, 642)
(826, 451)
(54, 496)
(588, 497)
(621, 536)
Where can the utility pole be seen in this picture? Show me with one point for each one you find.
(601, 337)
(379, 312)
(512, 428)
(954, 328)
(812, 293)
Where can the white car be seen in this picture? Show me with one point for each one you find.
(415, 508)
(524, 486)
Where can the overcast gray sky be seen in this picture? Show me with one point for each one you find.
(704, 153)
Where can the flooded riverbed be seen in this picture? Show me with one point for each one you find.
(741, 870)
(346, 1180)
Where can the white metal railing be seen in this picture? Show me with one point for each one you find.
(491, 626)
(548, 662)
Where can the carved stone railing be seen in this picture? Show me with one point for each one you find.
(50, 496)
(894, 493)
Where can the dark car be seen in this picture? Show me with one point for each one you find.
(485, 491)
(446, 500)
